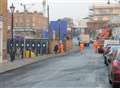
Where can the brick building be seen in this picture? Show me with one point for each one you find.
(29, 23)
(3, 31)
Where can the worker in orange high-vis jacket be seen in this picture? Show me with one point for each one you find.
(98, 47)
(82, 48)
(95, 46)
(61, 48)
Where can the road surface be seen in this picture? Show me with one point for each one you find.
(71, 71)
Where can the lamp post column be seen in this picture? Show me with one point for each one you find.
(12, 53)
(12, 27)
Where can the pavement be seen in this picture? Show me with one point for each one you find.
(8, 66)
(70, 71)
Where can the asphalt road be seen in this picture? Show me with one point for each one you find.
(72, 71)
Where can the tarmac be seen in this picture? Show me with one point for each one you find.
(9, 66)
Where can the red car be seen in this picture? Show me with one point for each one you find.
(114, 70)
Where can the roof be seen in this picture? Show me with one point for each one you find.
(105, 6)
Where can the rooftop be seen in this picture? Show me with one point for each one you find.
(105, 6)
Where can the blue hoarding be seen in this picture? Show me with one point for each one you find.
(58, 29)
(45, 34)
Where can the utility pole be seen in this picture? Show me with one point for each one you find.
(49, 37)
(48, 19)
(24, 6)
(44, 7)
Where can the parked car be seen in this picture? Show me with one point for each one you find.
(106, 51)
(110, 51)
(114, 70)
(107, 48)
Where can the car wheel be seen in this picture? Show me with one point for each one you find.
(110, 81)
(105, 62)
(115, 86)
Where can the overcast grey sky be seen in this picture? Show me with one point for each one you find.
(75, 9)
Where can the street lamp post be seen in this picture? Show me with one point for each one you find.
(12, 8)
(12, 55)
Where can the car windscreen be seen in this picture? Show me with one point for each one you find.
(114, 48)
(118, 57)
